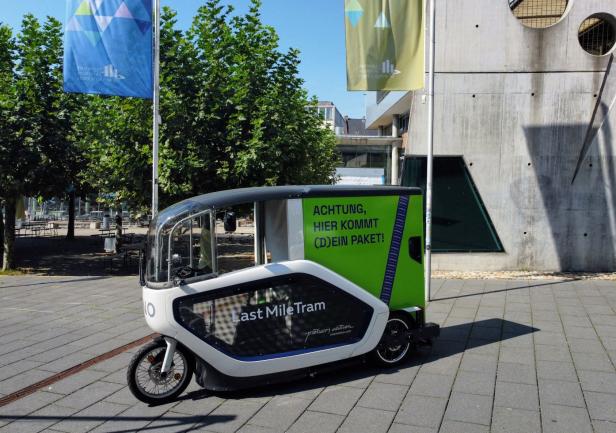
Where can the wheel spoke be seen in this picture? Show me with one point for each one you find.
(148, 373)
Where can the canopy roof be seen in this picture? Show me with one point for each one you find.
(223, 199)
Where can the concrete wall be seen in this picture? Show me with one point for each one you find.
(517, 104)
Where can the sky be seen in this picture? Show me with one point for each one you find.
(315, 27)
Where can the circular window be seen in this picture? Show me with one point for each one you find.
(538, 14)
(597, 34)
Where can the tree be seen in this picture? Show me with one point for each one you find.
(7, 60)
(253, 126)
(114, 135)
(233, 110)
(11, 167)
(61, 160)
(37, 155)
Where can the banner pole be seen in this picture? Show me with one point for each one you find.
(430, 156)
(156, 108)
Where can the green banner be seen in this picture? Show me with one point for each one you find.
(385, 44)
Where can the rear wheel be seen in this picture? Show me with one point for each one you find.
(148, 384)
(395, 345)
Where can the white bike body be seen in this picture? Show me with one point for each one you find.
(162, 318)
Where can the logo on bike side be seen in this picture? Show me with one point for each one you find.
(279, 310)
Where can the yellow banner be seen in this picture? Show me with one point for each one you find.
(385, 45)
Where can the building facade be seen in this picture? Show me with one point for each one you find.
(332, 118)
(366, 155)
(525, 166)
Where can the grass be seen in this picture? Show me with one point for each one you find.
(11, 272)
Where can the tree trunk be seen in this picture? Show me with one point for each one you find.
(1, 234)
(9, 234)
(70, 232)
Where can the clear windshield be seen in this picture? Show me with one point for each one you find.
(193, 240)
(179, 245)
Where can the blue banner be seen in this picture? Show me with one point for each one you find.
(108, 47)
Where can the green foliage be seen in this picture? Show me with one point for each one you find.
(14, 160)
(7, 118)
(233, 115)
(37, 154)
(11, 273)
(115, 135)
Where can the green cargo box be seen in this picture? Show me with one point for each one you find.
(374, 241)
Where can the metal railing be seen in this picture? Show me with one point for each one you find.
(597, 35)
(538, 13)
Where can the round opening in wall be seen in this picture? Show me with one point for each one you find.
(597, 34)
(539, 14)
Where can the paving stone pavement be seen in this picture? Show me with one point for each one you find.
(514, 356)
(49, 324)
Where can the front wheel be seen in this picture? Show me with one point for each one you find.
(395, 345)
(148, 384)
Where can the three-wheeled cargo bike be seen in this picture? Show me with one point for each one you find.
(304, 277)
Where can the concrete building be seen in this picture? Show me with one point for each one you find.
(524, 100)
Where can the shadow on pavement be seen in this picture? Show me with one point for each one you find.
(42, 283)
(452, 341)
(190, 422)
(83, 256)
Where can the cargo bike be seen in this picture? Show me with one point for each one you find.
(302, 278)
